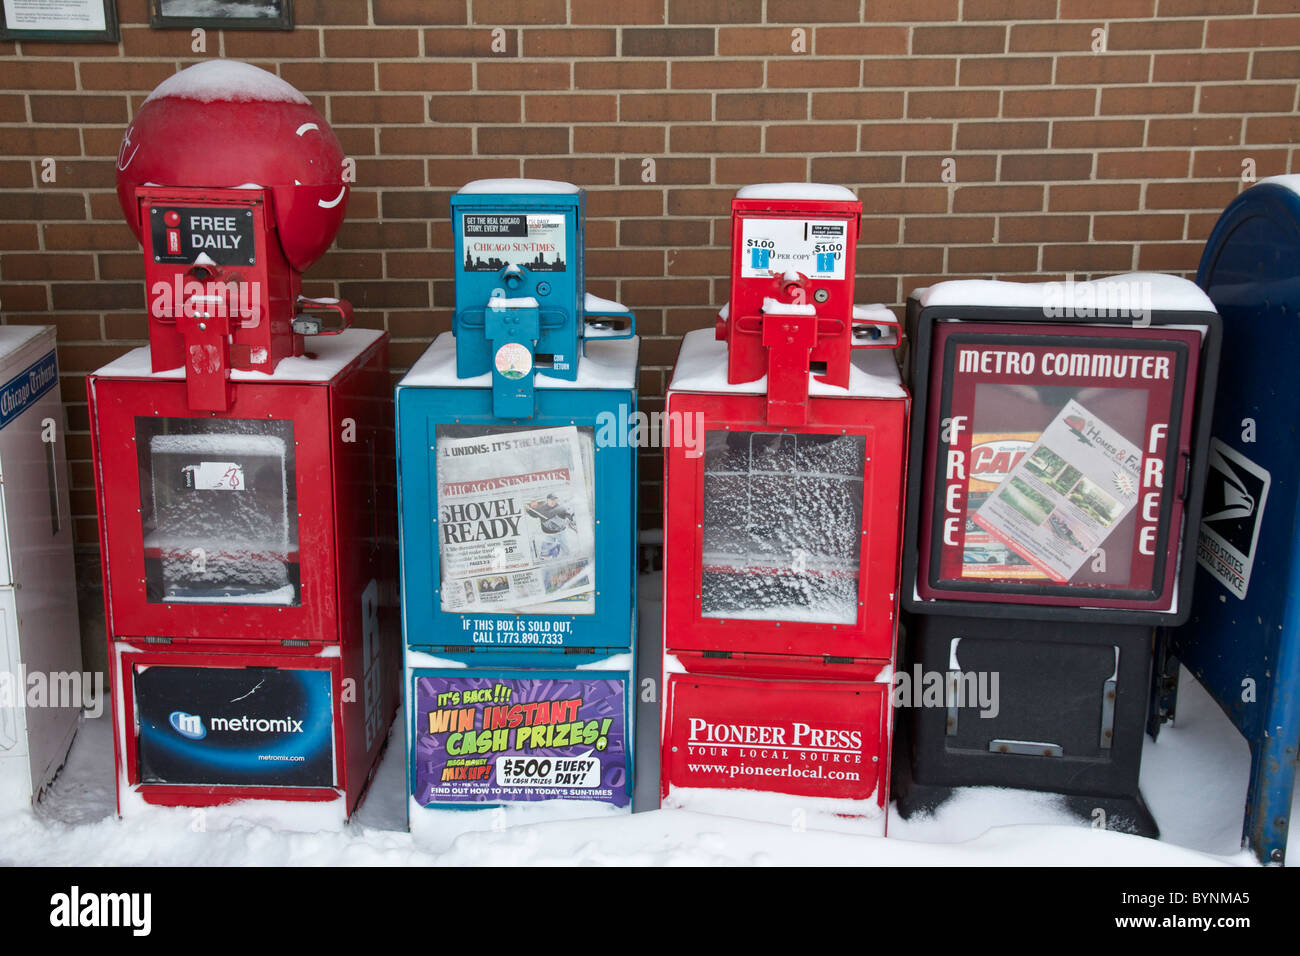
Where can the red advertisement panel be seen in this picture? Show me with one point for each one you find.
(817, 739)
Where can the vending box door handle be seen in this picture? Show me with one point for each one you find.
(609, 325)
(311, 325)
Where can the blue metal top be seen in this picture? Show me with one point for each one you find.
(521, 304)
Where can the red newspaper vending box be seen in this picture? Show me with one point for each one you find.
(249, 550)
(781, 558)
(243, 465)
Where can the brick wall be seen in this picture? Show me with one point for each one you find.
(1063, 158)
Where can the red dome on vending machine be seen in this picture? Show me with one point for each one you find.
(224, 123)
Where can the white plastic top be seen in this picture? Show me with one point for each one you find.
(819, 191)
(608, 364)
(489, 186)
(702, 367)
(231, 80)
(1290, 181)
(1153, 289)
(327, 355)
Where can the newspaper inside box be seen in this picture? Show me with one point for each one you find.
(1059, 461)
(516, 519)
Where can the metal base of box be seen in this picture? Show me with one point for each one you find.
(1063, 710)
(1121, 814)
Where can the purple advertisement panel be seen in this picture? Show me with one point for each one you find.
(514, 739)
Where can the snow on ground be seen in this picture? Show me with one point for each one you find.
(1194, 780)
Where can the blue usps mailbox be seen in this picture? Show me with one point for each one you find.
(1242, 640)
(517, 498)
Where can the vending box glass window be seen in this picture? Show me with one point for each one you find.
(1066, 441)
(229, 488)
(764, 560)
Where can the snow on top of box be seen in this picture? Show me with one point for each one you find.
(327, 355)
(773, 307)
(608, 363)
(500, 302)
(1152, 289)
(212, 443)
(231, 80)
(1289, 181)
(490, 186)
(594, 303)
(702, 367)
(873, 312)
(14, 337)
(817, 191)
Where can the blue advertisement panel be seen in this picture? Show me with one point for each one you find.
(248, 726)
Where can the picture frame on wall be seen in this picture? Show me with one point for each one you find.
(62, 21)
(221, 14)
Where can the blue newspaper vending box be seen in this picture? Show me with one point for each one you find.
(517, 498)
(1242, 640)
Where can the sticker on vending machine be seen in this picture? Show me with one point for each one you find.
(519, 739)
(215, 476)
(496, 241)
(1236, 491)
(812, 247)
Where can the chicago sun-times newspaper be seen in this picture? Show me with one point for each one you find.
(515, 527)
(1066, 495)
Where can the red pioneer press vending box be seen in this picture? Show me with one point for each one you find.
(781, 528)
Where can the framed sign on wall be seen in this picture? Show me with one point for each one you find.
(221, 14)
(68, 21)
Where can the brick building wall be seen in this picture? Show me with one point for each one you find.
(1006, 138)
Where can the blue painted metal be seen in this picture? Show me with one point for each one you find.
(522, 299)
(611, 414)
(1246, 649)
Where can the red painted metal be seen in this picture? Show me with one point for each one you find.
(817, 332)
(347, 618)
(883, 424)
(804, 738)
(232, 198)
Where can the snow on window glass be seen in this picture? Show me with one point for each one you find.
(782, 526)
(218, 506)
